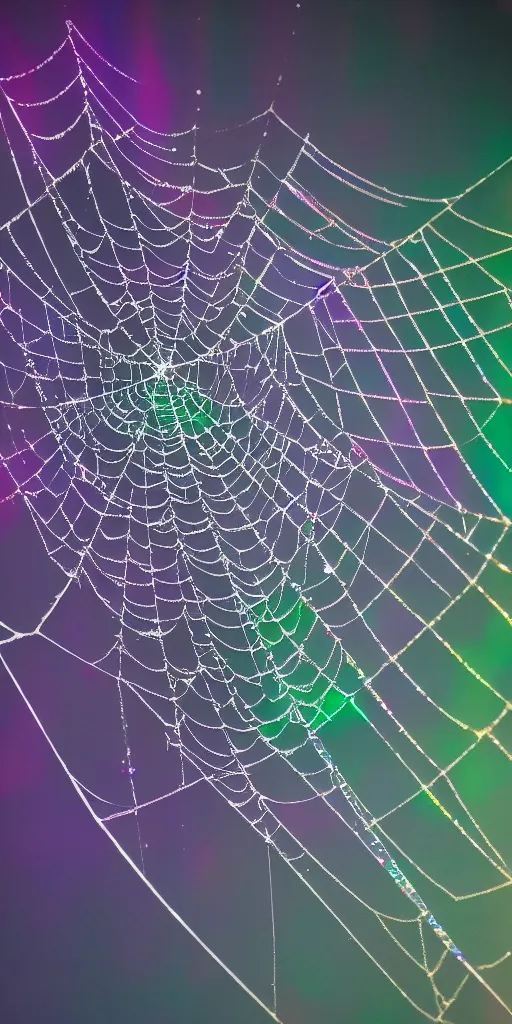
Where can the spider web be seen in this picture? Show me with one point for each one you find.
(276, 449)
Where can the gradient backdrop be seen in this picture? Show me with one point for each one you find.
(415, 95)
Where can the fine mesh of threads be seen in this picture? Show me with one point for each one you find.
(277, 450)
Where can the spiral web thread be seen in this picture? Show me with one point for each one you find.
(277, 450)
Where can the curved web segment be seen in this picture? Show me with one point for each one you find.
(277, 450)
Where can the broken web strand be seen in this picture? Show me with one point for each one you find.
(242, 342)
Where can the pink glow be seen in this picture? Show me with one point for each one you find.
(154, 100)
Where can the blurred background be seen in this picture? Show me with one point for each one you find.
(416, 96)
